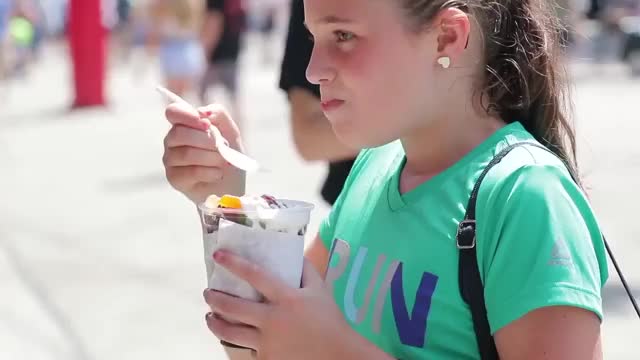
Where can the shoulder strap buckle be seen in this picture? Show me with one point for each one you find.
(466, 237)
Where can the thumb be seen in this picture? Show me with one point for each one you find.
(310, 276)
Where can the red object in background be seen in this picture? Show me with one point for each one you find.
(88, 46)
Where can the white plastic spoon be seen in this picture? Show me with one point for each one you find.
(234, 157)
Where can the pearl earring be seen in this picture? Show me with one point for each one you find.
(444, 61)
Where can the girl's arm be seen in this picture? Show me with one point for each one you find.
(552, 333)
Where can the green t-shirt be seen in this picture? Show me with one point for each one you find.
(394, 261)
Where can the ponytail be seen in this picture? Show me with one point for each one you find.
(524, 80)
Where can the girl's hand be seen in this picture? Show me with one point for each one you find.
(291, 323)
(192, 164)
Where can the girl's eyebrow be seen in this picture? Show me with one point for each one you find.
(331, 19)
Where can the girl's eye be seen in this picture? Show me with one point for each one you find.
(343, 36)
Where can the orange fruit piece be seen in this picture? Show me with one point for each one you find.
(230, 202)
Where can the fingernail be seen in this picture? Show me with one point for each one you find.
(218, 255)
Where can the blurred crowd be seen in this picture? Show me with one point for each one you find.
(198, 41)
(617, 21)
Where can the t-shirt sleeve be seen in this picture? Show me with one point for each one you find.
(297, 52)
(215, 5)
(539, 245)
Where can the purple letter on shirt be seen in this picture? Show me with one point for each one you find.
(412, 330)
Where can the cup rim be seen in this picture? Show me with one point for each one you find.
(300, 206)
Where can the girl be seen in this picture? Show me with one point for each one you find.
(432, 90)
(175, 25)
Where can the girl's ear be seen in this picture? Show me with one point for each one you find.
(453, 28)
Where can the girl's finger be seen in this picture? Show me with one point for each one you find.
(179, 113)
(236, 309)
(184, 136)
(271, 287)
(187, 176)
(241, 335)
(218, 116)
(191, 156)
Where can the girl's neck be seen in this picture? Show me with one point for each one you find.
(433, 149)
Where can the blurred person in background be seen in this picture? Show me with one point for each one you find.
(139, 45)
(595, 7)
(222, 38)
(121, 30)
(39, 21)
(608, 15)
(312, 133)
(267, 15)
(630, 28)
(33, 12)
(123, 7)
(22, 36)
(6, 11)
(174, 27)
(56, 13)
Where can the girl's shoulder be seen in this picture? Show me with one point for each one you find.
(535, 183)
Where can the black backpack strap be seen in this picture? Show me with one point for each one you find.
(469, 279)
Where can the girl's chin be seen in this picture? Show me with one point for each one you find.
(354, 136)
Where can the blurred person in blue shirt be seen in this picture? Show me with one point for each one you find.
(175, 25)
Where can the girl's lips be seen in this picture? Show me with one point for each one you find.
(331, 104)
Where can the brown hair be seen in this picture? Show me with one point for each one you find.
(523, 80)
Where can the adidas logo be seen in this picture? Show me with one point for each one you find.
(560, 254)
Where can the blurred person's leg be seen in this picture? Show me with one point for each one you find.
(122, 31)
(266, 33)
(3, 54)
(144, 50)
(594, 10)
(599, 43)
(223, 74)
(209, 79)
(10, 56)
(228, 73)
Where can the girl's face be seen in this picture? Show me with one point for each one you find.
(376, 76)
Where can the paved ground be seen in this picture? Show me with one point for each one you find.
(100, 259)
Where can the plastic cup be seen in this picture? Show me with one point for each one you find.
(271, 238)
